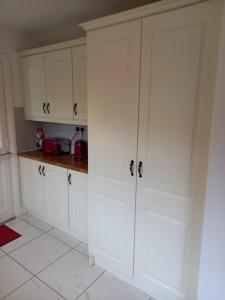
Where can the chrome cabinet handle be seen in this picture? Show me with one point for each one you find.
(75, 109)
(140, 165)
(39, 169)
(48, 108)
(69, 179)
(43, 107)
(132, 168)
(43, 171)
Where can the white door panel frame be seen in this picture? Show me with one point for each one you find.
(179, 47)
(113, 94)
(5, 60)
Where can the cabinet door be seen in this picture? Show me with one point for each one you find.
(32, 191)
(59, 84)
(34, 85)
(79, 83)
(113, 94)
(6, 201)
(78, 205)
(175, 104)
(56, 196)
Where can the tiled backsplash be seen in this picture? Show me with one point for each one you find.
(25, 130)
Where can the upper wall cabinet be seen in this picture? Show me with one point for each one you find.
(55, 83)
(59, 84)
(34, 85)
(79, 83)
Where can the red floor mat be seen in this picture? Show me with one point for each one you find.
(7, 235)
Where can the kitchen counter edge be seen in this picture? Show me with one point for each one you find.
(64, 161)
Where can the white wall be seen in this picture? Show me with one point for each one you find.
(212, 266)
(10, 43)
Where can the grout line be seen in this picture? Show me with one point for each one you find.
(17, 288)
(81, 252)
(19, 263)
(42, 233)
(8, 223)
(35, 226)
(77, 298)
(60, 240)
(49, 265)
(44, 267)
(36, 275)
(50, 288)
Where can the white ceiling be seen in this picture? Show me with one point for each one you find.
(56, 20)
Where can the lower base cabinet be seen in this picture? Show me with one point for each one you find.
(32, 187)
(78, 205)
(56, 195)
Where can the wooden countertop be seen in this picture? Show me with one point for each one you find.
(65, 161)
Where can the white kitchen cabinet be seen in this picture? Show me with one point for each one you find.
(34, 86)
(59, 84)
(6, 209)
(55, 83)
(56, 196)
(173, 113)
(32, 187)
(78, 205)
(79, 82)
(113, 93)
(164, 130)
(49, 194)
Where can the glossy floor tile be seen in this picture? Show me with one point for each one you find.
(38, 223)
(47, 264)
(13, 221)
(27, 231)
(70, 275)
(39, 253)
(108, 287)
(1, 253)
(63, 237)
(12, 275)
(24, 216)
(83, 248)
(34, 290)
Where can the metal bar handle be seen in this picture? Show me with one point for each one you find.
(43, 171)
(39, 169)
(43, 107)
(48, 108)
(75, 109)
(132, 168)
(140, 165)
(69, 179)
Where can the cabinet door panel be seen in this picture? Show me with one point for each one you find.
(59, 84)
(32, 187)
(79, 82)
(56, 196)
(34, 85)
(78, 206)
(6, 201)
(174, 119)
(113, 95)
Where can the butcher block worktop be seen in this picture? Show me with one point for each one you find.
(65, 161)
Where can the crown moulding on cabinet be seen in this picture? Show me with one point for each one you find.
(136, 13)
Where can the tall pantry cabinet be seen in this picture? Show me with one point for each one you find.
(151, 73)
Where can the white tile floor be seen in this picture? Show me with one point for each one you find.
(46, 264)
